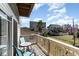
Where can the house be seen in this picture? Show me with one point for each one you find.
(33, 26)
(51, 26)
(10, 25)
(54, 29)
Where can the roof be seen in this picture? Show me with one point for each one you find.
(54, 25)
(25, 9)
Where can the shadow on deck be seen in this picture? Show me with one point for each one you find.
(37, 50)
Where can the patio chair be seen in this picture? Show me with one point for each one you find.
(23, 43)
(23, 53)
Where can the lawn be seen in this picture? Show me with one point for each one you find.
(67, 39)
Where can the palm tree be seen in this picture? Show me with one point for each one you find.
(39, 26)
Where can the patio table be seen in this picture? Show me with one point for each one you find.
(26, 44)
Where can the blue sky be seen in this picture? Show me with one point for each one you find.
(53, 13)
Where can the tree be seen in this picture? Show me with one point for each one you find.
(40, 25)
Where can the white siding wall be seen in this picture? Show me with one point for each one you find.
(6, 8)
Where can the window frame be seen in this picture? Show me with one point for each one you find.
(5, 17)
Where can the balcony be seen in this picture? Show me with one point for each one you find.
(46, 46)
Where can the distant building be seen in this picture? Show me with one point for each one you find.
(72, 30)
(69, 29)
(51, 26)
(66, 27)
(33, 26)
(54, 29)
(76, 25)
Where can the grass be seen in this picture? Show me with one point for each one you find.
(67, 39)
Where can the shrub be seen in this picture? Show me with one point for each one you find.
(32, 29)
(70, 33)
(77, 34)
(45, 34)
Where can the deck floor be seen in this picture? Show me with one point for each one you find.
(37, 50)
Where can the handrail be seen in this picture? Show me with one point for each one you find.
(55, 47)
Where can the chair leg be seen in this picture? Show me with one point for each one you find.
(23, 48)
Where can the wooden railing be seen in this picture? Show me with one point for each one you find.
(54, 47)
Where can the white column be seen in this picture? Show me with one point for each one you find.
(18, 34)
(12, 36)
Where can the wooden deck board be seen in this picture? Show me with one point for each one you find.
(38, 51)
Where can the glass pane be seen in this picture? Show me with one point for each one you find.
(3, 36)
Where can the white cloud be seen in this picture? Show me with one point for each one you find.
(76, 20)
(66, 17)
(38, 5)
(65, 20)
(48, 15)
(53, 17)
(62, 21)
(70, 18)
(62, 10)
(59, 15)
(58, 10)
(24, 21)
(53, 6)
(37, 19)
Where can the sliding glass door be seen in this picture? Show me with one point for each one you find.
(5, 34)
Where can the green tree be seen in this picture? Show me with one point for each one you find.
(40, 25)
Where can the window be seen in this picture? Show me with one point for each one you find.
(4, 34)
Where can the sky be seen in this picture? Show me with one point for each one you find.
(53, 13)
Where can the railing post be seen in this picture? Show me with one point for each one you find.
(48, 47)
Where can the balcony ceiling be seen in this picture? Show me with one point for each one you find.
(25, 9)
